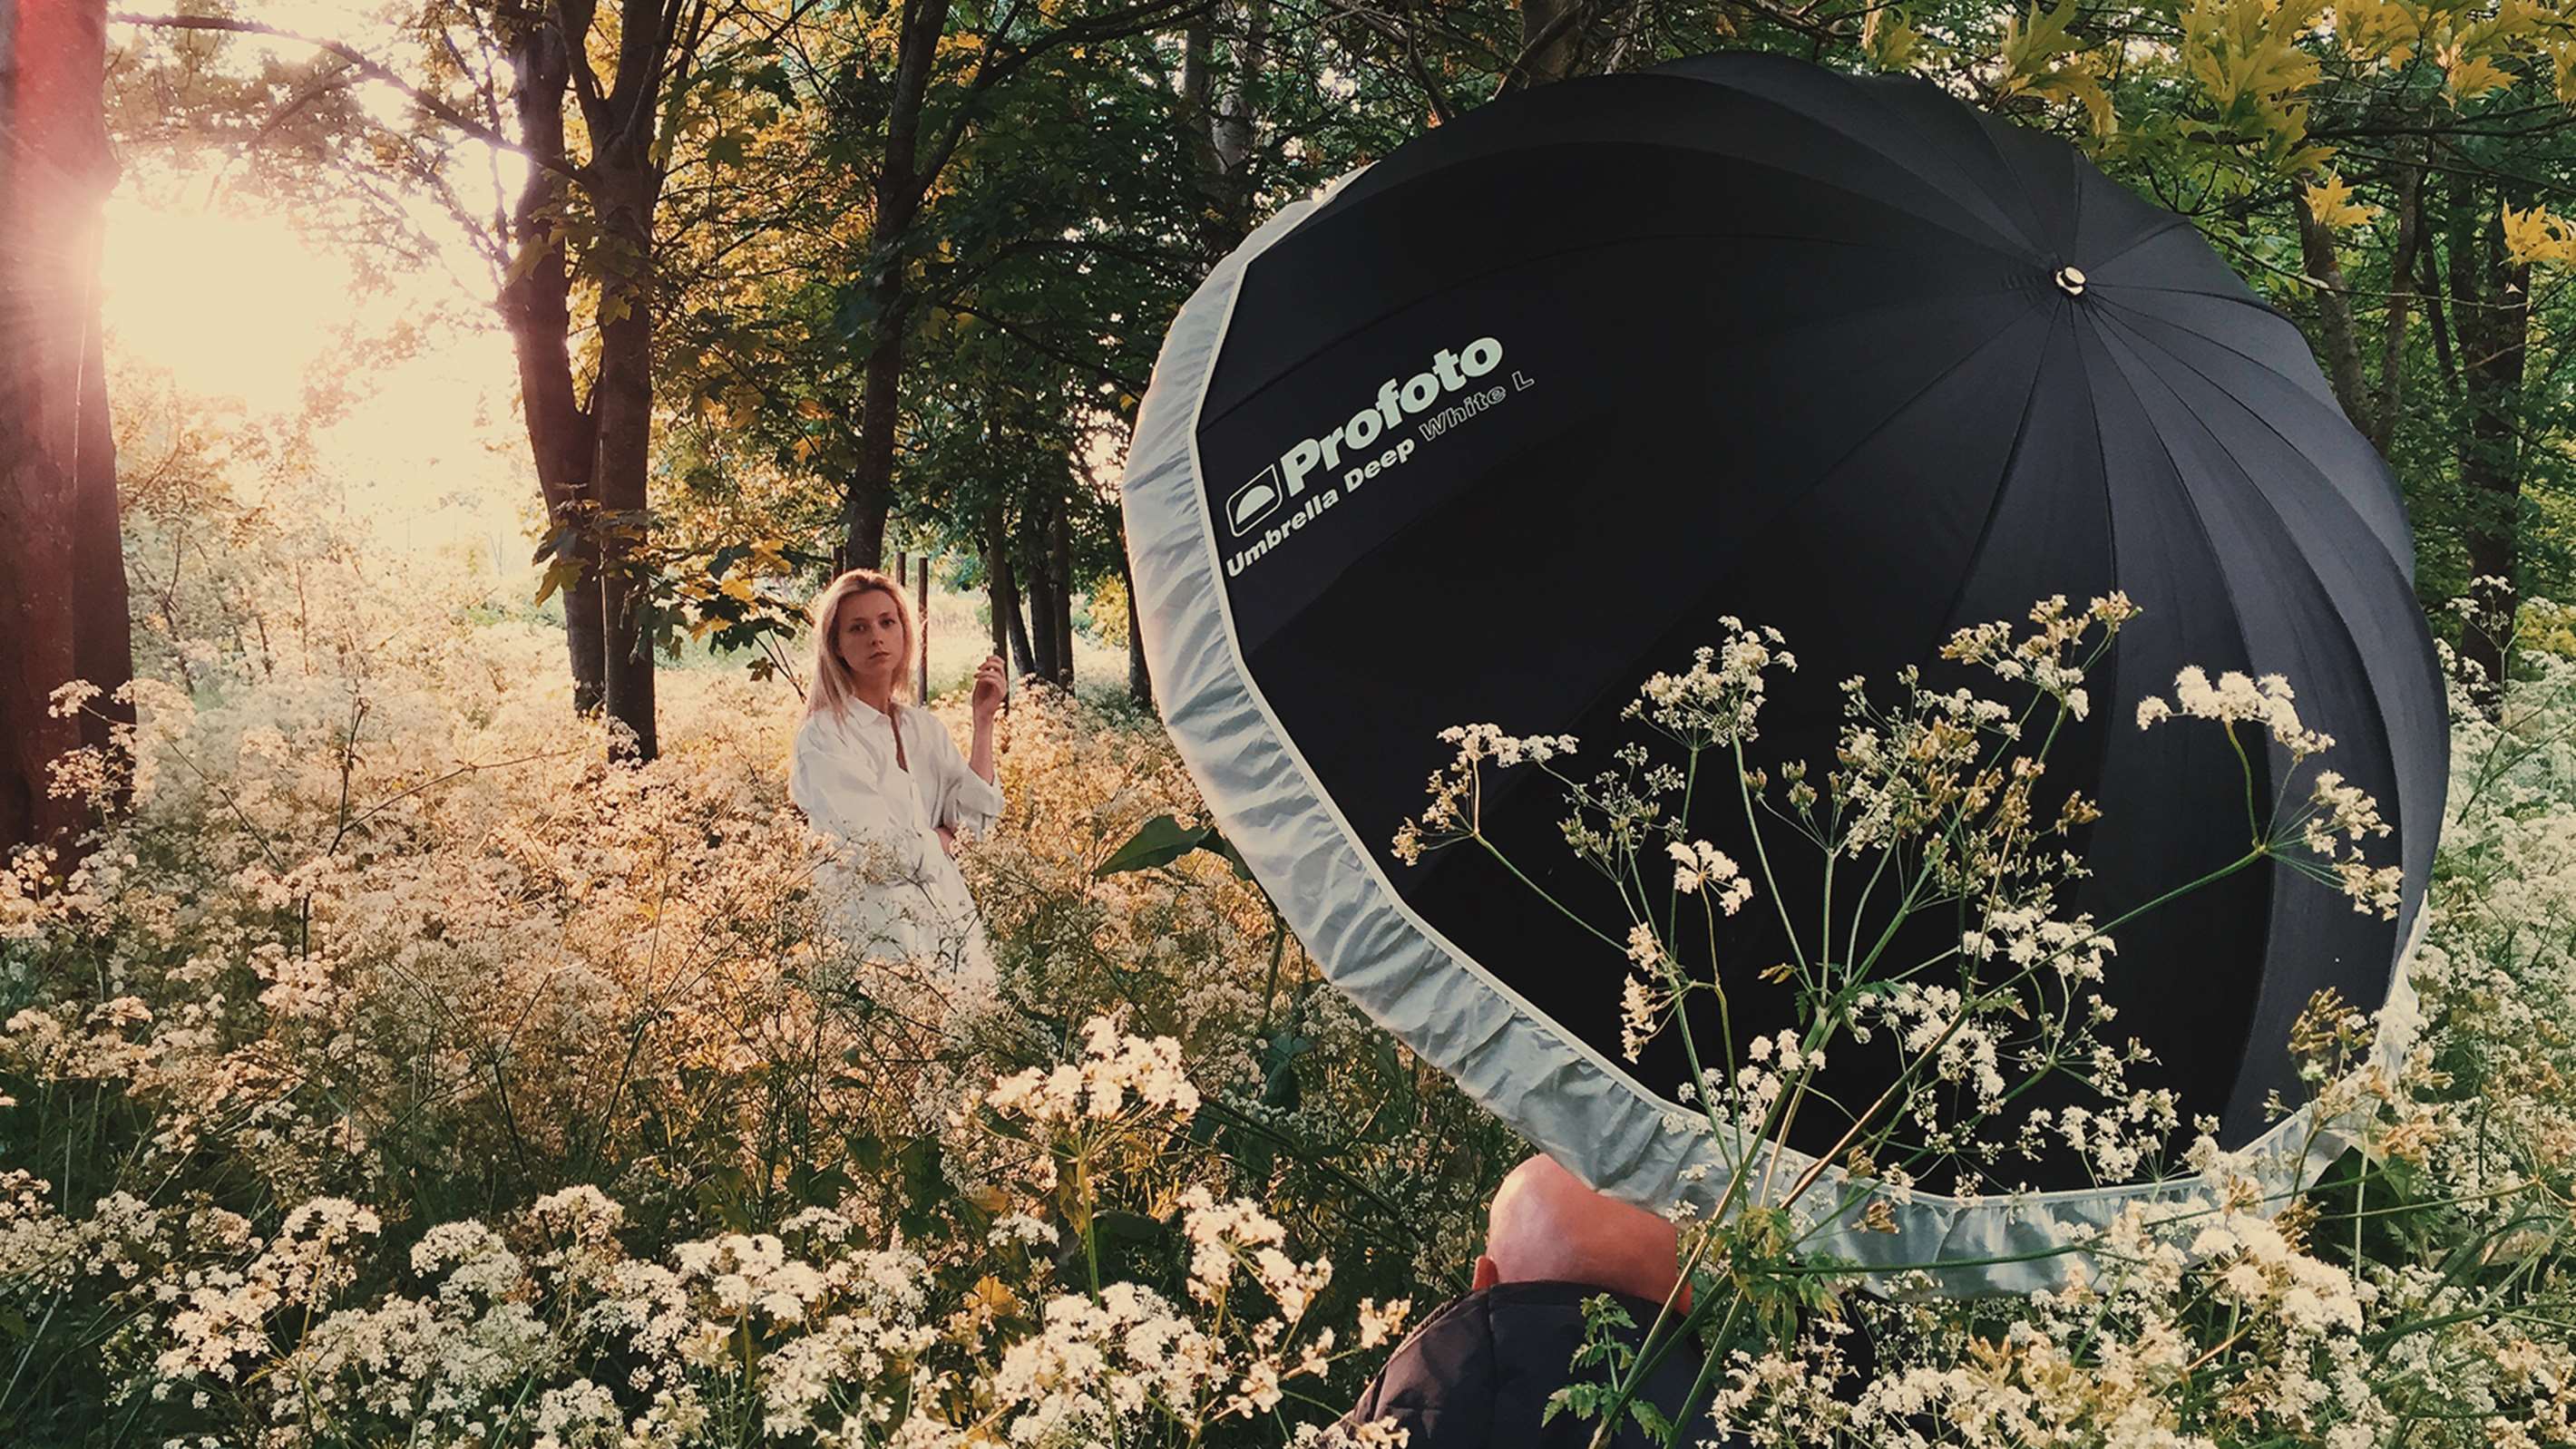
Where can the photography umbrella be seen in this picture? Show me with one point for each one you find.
(1498, 426)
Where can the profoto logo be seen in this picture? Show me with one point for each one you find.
(1254, 502)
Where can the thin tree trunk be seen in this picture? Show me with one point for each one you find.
(1233, 132)
(62, 571)
(1140, 682)
(622, 402)
(2334, 313)
(1023, 658)
(2491, 300)
(1549, 32)
(1194, 114)
(1039, 586)
(1060, 560)
(535, 306)
(898, 193)
(2401, 292)
(1001, 591)
(2446, 357)
(103, 652)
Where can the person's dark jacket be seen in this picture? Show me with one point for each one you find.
(1479, 1370)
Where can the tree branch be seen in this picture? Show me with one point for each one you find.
(372, 69)
(991, 72)
(585, 81)
(1132, 386)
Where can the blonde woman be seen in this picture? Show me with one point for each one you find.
(882, 775)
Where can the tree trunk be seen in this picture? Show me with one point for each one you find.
(622, 404)
(898, 193)
(1549, 32)
(1140, 682)
(536, 307)
(62, 572)
(103, 652)
(1060, 565)
(2491, 306)
(921, 612)
(1023, 658)
(1231, 181)
(1039, 585)
(2446, 357)
(2401, 292)
(1235, 114)
(1194, 114)
(1001, 591)
(2334, 314)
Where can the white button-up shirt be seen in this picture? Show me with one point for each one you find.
(895, 891)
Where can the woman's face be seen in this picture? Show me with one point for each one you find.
(868, 632)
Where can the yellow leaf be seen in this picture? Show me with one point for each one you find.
(2072, 84)
(1888, 38)
(2031, 50)
(2476, 76)
(739, 588)
(2383, 28)
(2536, 236)
(993, 1295)
(2330, 202)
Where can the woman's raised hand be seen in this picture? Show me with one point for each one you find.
(988, 686)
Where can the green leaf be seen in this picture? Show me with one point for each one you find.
(1219, 845)
(868, 1151)
(562, 573)
(1279, 1085)
(526, 262)
(1583, 1399)
(1132, 1227)
(1160, 841)
(820, 1189)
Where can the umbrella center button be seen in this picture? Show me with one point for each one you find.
(2071, 280)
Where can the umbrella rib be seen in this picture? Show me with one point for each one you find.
(1947, 619)
(2256, 303)
(2377, 702)
(2245, 648)
(2140, 340)
(1826, 474)
(1789, 501)
(2132, 330)
(2029, 207)
(2135, 242)
(1207, 420)
(2075, 184)
(1350, 204)
(2109, 299)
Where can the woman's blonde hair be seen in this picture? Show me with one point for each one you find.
(834, 686)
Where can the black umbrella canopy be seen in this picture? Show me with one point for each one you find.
(1513, 418)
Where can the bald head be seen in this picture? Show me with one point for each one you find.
(1546, 1225)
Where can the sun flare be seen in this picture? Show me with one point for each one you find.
(233, 306)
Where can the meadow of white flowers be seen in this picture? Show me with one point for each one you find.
(394, 1070)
